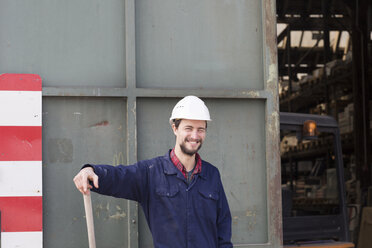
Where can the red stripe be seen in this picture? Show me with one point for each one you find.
(21, 214)
(24, 82)
(20, 143)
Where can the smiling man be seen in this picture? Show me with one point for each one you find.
(181, 195)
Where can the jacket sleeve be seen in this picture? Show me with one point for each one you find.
(223, 221)
(129, 182)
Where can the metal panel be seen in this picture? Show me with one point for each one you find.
(68, 43)
(78, 131)
(202, 44)
(235, 144)
(155, 138)
(149, 53)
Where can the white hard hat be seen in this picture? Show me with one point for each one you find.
(192, 108)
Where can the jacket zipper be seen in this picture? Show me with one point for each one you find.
(187, 216)
(188, 188)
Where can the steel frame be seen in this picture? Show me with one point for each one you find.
(269, 94)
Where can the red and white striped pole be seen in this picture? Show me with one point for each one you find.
(21, 160)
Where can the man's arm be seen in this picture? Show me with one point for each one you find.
(224, 221)
(127, 182)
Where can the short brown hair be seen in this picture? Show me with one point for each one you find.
(177, 122)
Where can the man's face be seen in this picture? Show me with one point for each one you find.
(190, 135)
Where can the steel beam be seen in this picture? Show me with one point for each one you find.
(152, 92)
(361, 93)
(297, 23)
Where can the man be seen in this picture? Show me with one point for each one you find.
(181, 195)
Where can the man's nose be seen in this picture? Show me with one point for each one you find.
(194, 134)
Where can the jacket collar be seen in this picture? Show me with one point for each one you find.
(170, 169)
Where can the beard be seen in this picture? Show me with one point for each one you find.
(187, 151)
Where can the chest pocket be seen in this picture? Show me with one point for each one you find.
(209, 194)
(167, 191)
(208, 204)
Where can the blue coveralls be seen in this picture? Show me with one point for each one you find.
(179, 215)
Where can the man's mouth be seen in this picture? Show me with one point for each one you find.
(193, 147)
(193, 141)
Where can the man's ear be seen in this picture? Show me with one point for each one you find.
(174, 129)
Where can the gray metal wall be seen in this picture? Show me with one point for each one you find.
(112, 71)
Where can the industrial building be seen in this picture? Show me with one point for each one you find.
(324, 58)
(287, 83)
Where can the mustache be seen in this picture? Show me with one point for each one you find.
(190, 139)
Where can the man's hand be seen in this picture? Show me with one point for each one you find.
(82, 179)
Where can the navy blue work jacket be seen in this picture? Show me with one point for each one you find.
(179, 215)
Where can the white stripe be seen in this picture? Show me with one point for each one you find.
(20, 178)
(22, 239)
(20, 108)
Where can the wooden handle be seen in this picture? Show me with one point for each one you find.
(90, 223)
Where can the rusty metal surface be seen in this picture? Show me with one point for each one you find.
(67, 43)
(272, 127)
(78, 131)
(110, 120)
(199, 44)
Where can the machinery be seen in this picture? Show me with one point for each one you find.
(313, 188)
